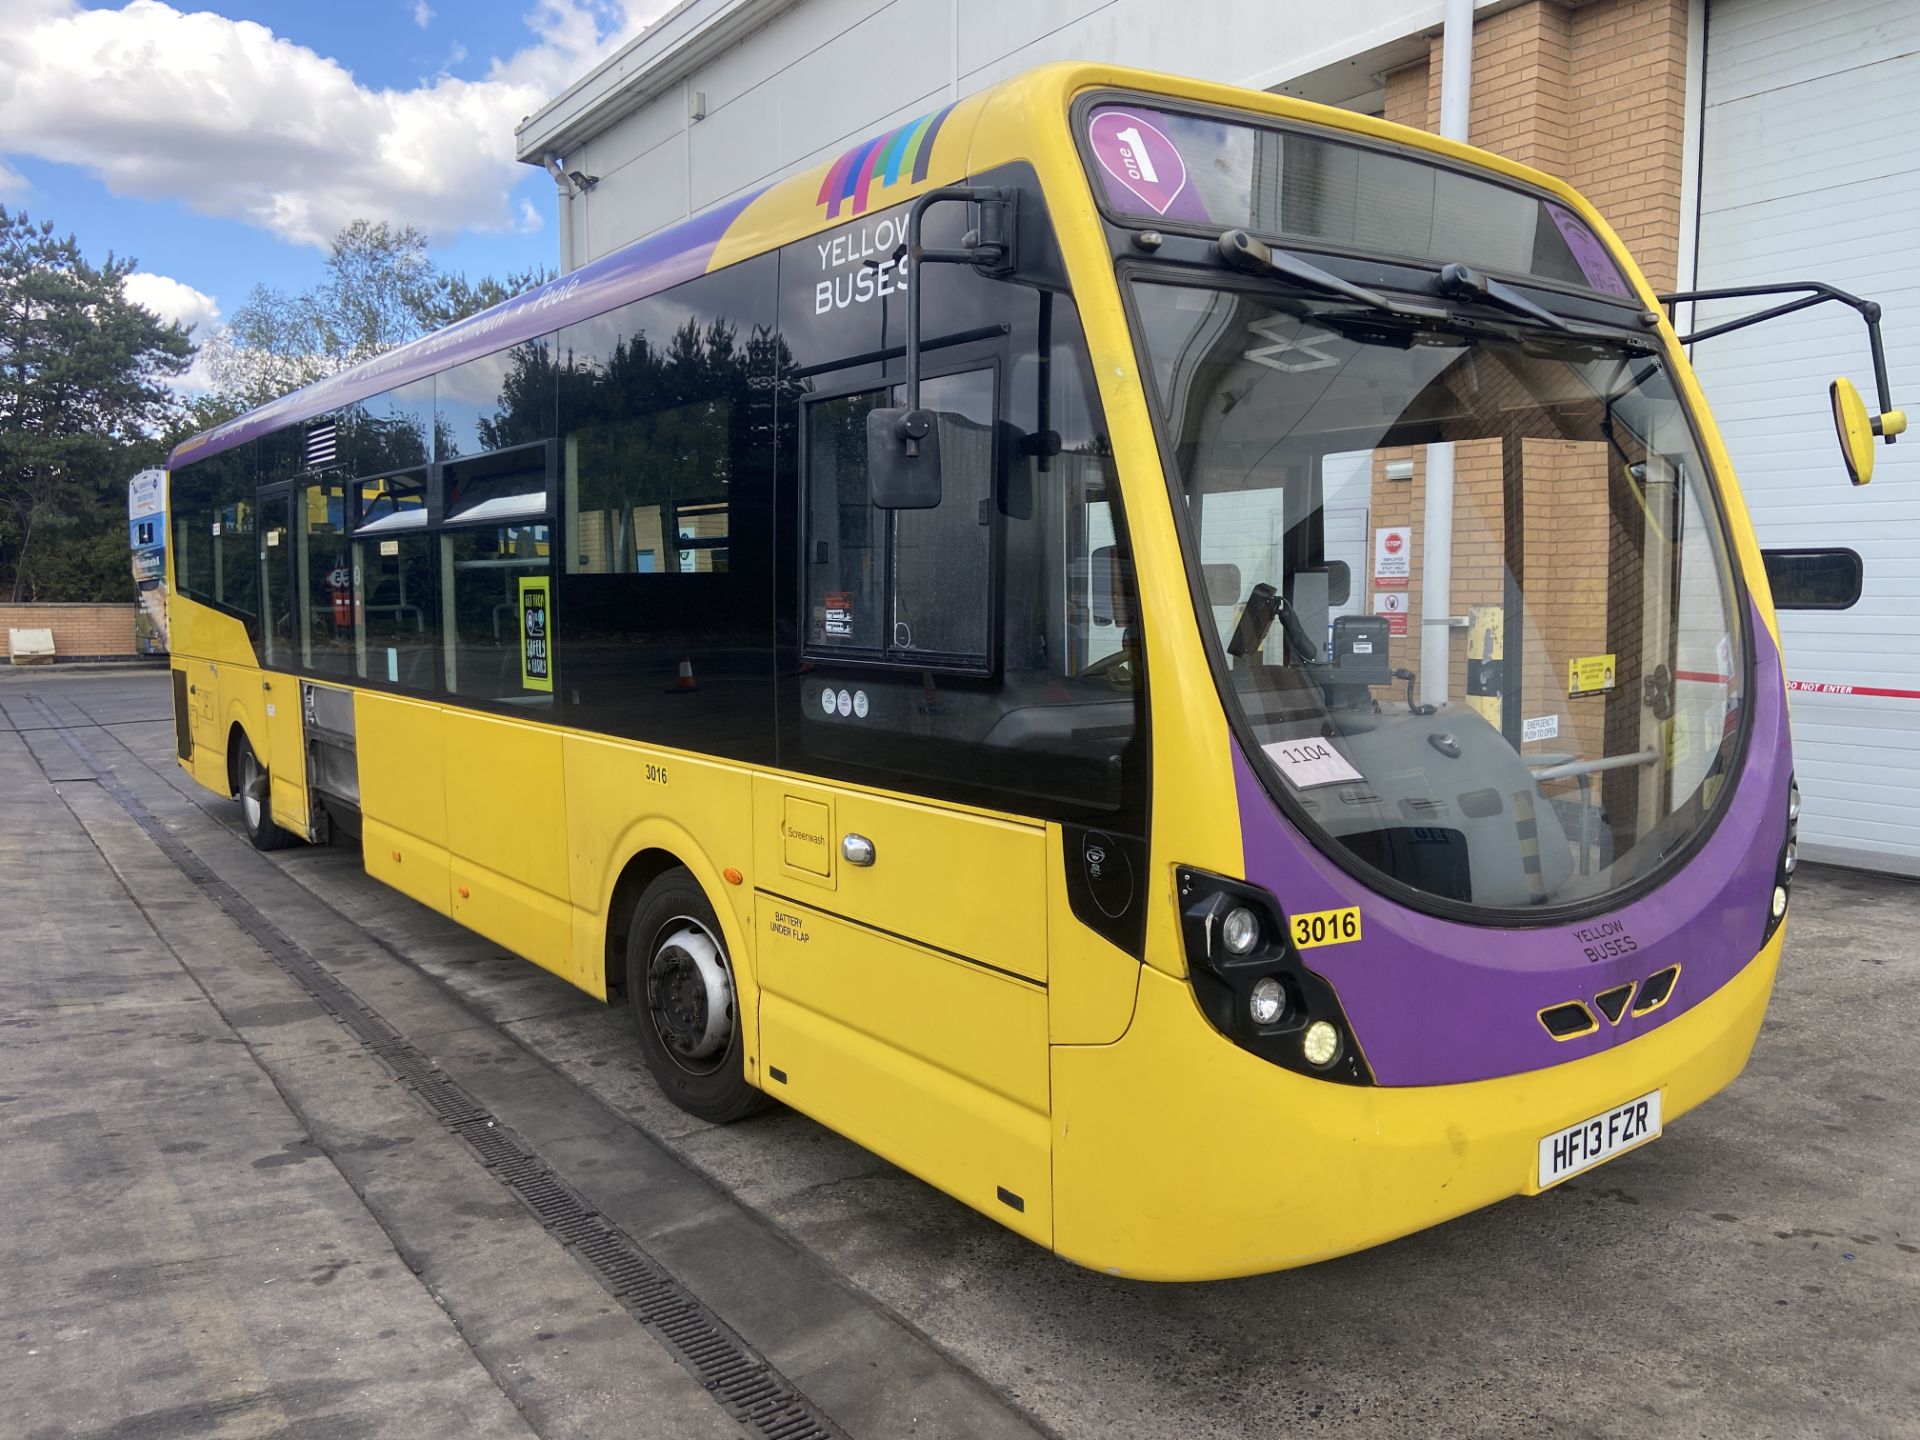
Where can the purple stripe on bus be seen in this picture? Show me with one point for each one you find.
(924, 158)
(860, 177)
(836, 177)
(641, 269)
(1434, 1002)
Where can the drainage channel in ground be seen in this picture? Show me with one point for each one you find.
(740, 1380)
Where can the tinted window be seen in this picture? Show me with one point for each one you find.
(323, 578)
(212, 503)
(399, 606)
(1162, 166)
(486, 569)
(392, 502)
(276, 562)
(664, 616)
(500, 400)
(393, 431)
(987, 649)
(902, 584)
(1813, 579)
(506, 485)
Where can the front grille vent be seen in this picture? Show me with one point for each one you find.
(1613, 1003)
(1655, 989)
(1563, 1022)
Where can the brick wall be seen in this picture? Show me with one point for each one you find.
(1595, 95)
(95, 631)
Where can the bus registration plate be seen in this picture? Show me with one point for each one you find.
(1614, 1132)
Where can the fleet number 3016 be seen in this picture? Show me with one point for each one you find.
(1326, 927)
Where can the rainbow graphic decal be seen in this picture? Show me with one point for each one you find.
(878, 163)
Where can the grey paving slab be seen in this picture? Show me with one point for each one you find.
(880, 1378)
(1756, 1273)
(175, 1263)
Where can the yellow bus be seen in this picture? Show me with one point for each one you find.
(1187, 667)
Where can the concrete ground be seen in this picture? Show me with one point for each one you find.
(219, 1214)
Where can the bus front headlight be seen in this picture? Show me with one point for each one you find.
(1252, 985)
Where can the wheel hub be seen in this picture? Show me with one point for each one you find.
(691, 994)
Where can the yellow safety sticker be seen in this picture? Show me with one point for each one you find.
(1326, 927)
(1590, 675)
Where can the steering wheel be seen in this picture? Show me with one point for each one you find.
(1117, 668)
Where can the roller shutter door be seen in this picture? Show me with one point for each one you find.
(1809, 171)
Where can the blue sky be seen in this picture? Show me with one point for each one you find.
(221, 144)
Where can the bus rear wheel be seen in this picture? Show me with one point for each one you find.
(681, 990)
(256, 810)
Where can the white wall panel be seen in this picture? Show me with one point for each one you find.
(661, 123)
(1808, 172)
(649, 193)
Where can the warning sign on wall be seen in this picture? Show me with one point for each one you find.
(1393, 605)
(1392, 556)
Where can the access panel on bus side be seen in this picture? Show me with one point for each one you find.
(507, 833)
(403, 796)
(902, 1001)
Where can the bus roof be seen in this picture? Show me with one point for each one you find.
(885, 169)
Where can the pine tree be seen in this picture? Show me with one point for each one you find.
(83, 393)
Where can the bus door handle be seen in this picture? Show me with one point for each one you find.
(856, 850)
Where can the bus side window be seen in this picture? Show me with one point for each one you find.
(902, 584)
(213, 533)
(323, 578)
(989, 648)
(666, 596)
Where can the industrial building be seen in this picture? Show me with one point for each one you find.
(1729, 142)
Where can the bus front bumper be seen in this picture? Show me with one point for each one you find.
(1179, 1156)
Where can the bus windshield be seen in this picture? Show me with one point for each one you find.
(1569, 718)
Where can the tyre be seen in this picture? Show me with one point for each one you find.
(681, 991)
(256, 810)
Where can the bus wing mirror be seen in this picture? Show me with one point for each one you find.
(903, 443)
(903, 458)
(1856, 425)
(1857, 428)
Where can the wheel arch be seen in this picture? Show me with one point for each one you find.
(236, 732)
(652, 849)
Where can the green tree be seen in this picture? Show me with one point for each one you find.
(83, 396)
(380, 289)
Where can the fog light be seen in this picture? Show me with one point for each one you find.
(1267, 1002)
(1240, 931)
(1321, 1044)
(1779, 901)
(1793, 800)
(1791, 859)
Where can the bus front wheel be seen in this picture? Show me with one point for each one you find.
(681, 989)
(255, 788)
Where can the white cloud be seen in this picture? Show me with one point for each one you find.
(231, 120)
(12, 183)
(171, 299)
(178, 301)
(422, 13)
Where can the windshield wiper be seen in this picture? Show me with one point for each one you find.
(1463, 282)
(1245, 252)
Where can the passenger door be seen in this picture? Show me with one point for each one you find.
(283, 746)
(901, 946)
